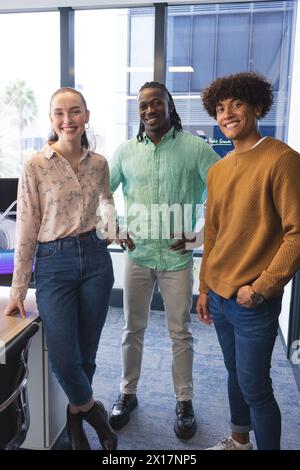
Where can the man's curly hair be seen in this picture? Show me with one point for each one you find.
(250, 87)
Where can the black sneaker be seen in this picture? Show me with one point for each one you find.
(185, 425)
(120, 413)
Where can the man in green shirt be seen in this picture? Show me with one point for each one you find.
(163, 172)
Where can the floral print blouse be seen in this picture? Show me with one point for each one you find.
(54, 202)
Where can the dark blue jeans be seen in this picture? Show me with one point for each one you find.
(74, 278)
(247, 337)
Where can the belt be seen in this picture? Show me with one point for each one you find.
(86, 234)
(80, 236)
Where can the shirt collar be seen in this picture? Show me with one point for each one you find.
(49, 152)
(167, 136)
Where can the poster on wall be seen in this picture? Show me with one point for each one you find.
(214, 137)
(7, 238)
(8, 208)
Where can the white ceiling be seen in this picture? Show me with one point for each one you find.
(13, 5)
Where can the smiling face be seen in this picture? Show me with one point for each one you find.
(154, 111)
(238, 121)
(68, 116)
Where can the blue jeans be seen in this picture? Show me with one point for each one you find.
(247, 337)
(74, 278)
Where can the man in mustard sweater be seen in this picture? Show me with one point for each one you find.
(251, 250)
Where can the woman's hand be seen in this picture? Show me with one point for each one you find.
(14, 307)
(203, 310)
(124, 240)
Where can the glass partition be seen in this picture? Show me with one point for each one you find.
(208, 41)
(30, 73)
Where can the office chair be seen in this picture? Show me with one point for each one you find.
(14, 408)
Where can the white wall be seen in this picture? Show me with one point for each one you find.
(118, 265)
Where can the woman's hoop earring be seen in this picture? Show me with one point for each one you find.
(87, 126)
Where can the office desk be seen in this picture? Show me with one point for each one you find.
(10, 327)
(47, 401)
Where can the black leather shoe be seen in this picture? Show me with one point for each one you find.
(120, 413)
(76, 434)
(185, 425)
(97, 418)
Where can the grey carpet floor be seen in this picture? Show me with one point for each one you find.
(151, 423)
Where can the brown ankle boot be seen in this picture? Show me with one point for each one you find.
(76, 434)
(97, 418)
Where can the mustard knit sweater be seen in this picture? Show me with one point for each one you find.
(252, 227)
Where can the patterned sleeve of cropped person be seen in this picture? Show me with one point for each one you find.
(107, 207)
(27, 229)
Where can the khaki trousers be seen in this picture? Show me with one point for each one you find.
(176, 288)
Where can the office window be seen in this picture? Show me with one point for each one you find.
(114, 55)
(268, 45)
(204, 33)
(207, 41)
(179, 41)
(141, 46)
(30, 73)
(232, 53)
(113, 58)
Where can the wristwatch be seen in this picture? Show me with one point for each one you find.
(257, 298)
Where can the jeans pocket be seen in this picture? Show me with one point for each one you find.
(47, 250)
(213, 301)
(243, 308)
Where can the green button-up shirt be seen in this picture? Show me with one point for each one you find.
(154, 179)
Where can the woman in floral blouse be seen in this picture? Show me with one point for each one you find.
(60, 190)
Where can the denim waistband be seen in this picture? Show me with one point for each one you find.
(91, 235)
